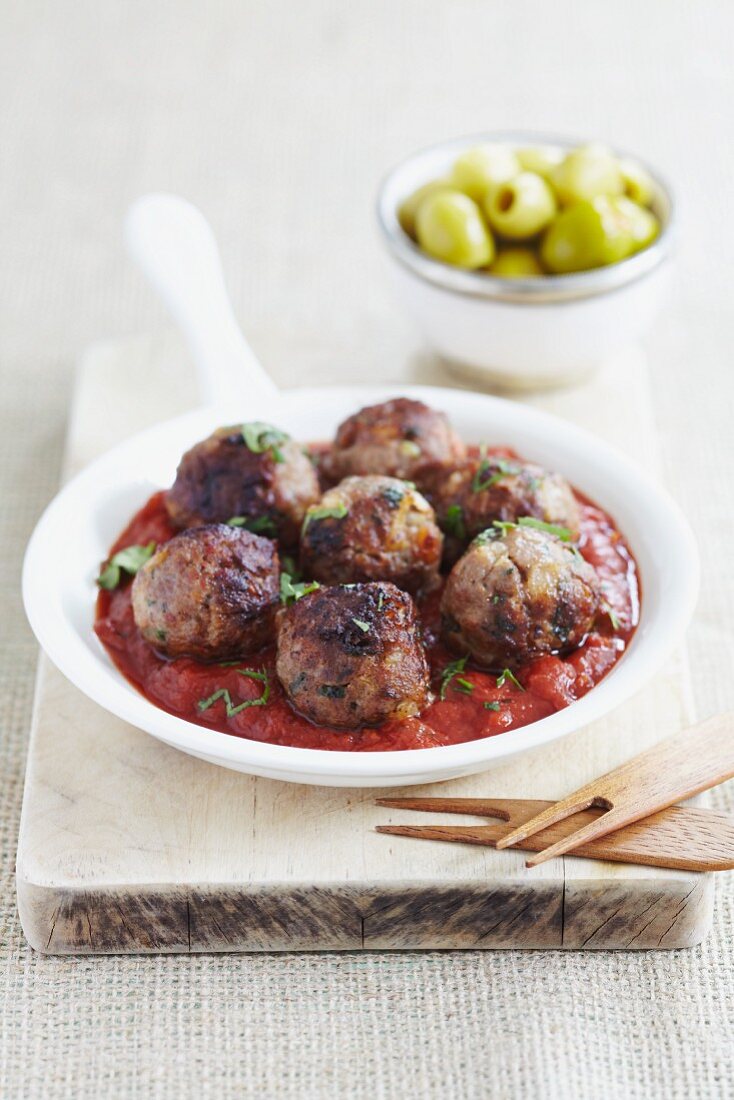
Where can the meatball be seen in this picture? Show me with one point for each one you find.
(471, 497)
(399, 438)
(372, 528)
(210, 592)
(351, 656)
(250, 471)
(518, 596)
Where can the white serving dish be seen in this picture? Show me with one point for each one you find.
(77, 529)
(520, 333)
(75, 532)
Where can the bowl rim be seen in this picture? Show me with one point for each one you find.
(91, 669)
(539, 290)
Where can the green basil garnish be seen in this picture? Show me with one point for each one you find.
(505, 469)
(454, 521)
(260, 437)
(508, 674)
(454, 668)
(258, 525)
(290, 591)
(127, 561)
(339, 511)
(232, 708)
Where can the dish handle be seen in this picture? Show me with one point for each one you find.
(172, 242)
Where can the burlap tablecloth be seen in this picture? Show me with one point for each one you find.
(278, 119)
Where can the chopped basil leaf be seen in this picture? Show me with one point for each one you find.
(363, 626)
(562, 533)
(258, 525)
(260, 437)
(231, 708)
(454, 521)
(505, 469)
(466, 686)
(508, 674)
(339, 511)
(452, 669)
(290, 592)
(127, 561)
(491, 706)
(289, 565)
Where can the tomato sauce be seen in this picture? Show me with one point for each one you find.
(547, 684)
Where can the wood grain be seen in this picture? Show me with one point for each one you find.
(129, 846)
(676, 767)
(686, 838)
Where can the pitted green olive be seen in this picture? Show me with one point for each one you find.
(552, 210)
(450, 227)
(521, 207)
(516, 263)
(409, 207)
(637, 181)
(586, 173)
(642, 224)
(480, 168)
(586, 235)
(543, 159)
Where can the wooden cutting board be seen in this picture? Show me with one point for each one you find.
(127, 845)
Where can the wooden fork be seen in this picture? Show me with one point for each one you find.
(674, 769)
(681, 837)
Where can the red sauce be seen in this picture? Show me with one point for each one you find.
(550, 683)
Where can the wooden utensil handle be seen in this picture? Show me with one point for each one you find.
(676, 768)
(684, 838)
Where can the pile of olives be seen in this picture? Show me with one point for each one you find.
(522, 213)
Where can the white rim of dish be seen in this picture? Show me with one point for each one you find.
(121, 698)
(548, 289)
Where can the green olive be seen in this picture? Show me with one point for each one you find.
(521, 207)
(450, 227)
(516, 263)
(407, 209)
(637, 181)
(642, 224)
(586, 235)
(543, 159)
(586, 172)
(478, 169)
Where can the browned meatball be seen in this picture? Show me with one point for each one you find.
(479, 491)
(251, 471)
(351, 656)
(372, 528)
(399, 438)
(210, 592)
(518, 596)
